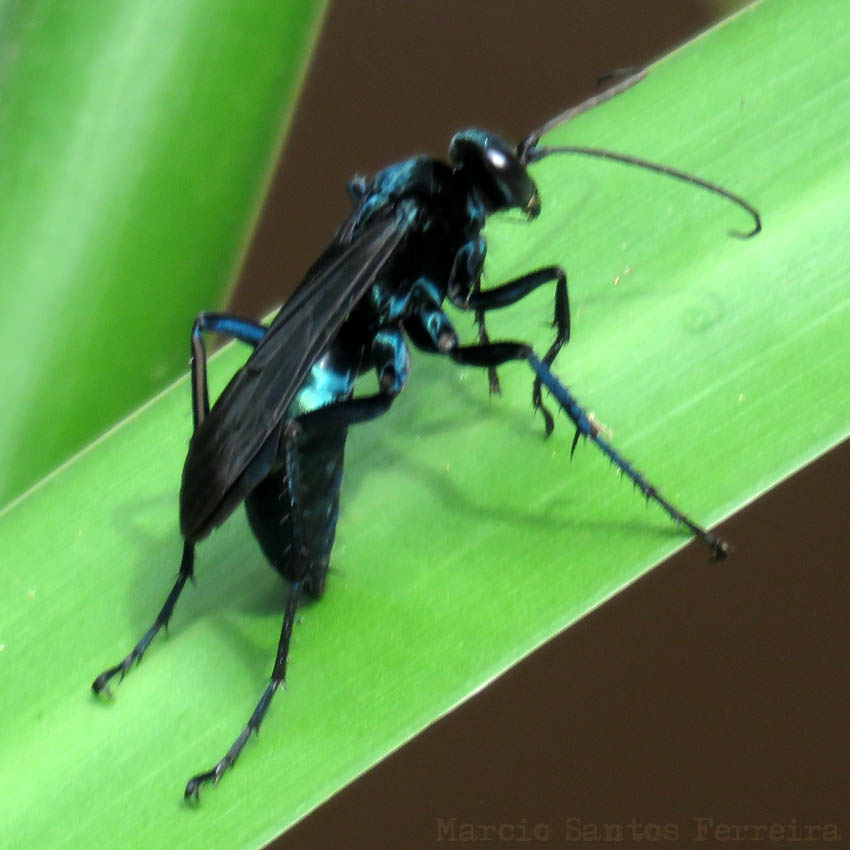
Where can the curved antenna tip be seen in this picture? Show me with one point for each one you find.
(739, 234)
(537, 153)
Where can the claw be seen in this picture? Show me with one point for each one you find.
(495, 386)
(719, 548)
(549, 421)
(101, 683)
(191, 792)
(100, 686)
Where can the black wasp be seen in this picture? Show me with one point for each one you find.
(276, 435)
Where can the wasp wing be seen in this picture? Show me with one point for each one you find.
(216, 475)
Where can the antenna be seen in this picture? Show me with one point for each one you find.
(529, 151)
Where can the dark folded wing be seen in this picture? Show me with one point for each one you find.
(259, 394)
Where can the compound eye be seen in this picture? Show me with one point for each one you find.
(497, 158)
(515, 185)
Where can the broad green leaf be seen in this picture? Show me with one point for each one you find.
(465, 539)
(135, 144)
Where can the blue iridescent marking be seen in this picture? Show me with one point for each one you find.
(324, 385)
(245, 331)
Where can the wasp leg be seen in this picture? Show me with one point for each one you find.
(498, 353)
(392, 365)
(484, 339)
(293, 475)
(277, 680)
(514, 291)
(162, 619)
(246, 331)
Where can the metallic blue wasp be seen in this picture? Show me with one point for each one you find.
(275, 437)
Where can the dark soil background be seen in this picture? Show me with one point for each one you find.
(706, 692)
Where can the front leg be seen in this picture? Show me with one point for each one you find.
(484, 339)
(514, 291)
(495, 354)
(465, 284)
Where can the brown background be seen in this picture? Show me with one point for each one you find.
(701, 691)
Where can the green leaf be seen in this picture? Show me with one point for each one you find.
(136, 140)
(465, 539)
